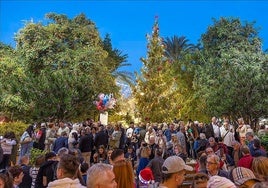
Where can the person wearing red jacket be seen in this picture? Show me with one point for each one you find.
(246, 160)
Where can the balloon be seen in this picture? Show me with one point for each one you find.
(101, 96)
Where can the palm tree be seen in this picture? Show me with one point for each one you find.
(177, 47)
(116, 60)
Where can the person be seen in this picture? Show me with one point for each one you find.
(257, 150)
(227, 135)
(200, 180)
(63, 128)
(241, 130)
(26, 141)
(17, 174)
(173, 169)
(221, 182)
(155, 165)
(83, 169)
(216, 128)
(101, 138)
(67, 173)
(146, 178)
(117, 155)
(131, 155)
(60, 142)
(6, 180)
(101, 175)
(213, 166)
(40, 137)
(86, 144)
(124, 174)
(50, 136)
(259, 167)
(246, 159)
(7, 144)
(34, 169)
(145, 153)
(100, 156)
(243, 177)
(47, 171)
(115, 137)
(27, 179)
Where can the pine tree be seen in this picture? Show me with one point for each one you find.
(153, 87)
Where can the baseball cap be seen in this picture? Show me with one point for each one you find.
(241, 175)
(174, 164)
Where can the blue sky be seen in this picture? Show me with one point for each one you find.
(128, 22)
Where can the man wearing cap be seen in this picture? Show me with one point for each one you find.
(243, 177)
(173, 169)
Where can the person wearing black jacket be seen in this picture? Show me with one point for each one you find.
(101, 138)
(86, 144)
(47, 171)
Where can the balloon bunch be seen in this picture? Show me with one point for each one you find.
(105, 102)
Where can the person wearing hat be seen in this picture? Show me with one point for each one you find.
(221, 182)
(243, 177)
(173, 169)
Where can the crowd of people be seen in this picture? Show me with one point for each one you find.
(89, 154)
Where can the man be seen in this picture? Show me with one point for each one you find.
(102, 137)
(216, 128)
(63, 128)
(86, 145)
(173, 169)
(213, 166)
(27, 179)
(129, 133)
(241, 130)
(155, 164)
(227, 135)
(246, 160)
(182, 139)
(117, 155)
(243, 177)
(250, 138)
(61, 142)
(101, 176)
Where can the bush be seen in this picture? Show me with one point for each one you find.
(264, 141)
(34, 154)
(17, 127)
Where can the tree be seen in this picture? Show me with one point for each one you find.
(64, 68)
(182, 57)
(152, 91)
(232, 76)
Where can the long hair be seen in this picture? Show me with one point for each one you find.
(124, 174)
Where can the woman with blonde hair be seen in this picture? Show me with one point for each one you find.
(259, 167)
(144, 154)
(124, 174)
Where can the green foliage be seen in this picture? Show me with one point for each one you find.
(17, 127)
(264, 141)
(232, 74)
(34, 153)
(57, 70)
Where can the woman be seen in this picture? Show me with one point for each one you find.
(26, 141)
(115, 137)
(100, 156)
(67, 173)
(124, 174)
(7, 144)
(259, 167)
(145, 153)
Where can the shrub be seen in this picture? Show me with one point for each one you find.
(34, 154)
(17, 127)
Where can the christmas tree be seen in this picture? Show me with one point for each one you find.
(154, 85)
